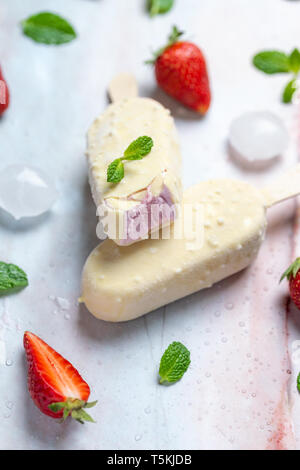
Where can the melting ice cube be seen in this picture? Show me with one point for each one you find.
(258, 138)
(26, 191)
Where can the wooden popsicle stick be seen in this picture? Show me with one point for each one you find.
(286, 187)
(122, 86)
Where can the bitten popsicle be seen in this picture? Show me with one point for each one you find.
(156, 179)
(120, 284)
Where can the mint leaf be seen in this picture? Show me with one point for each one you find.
(157, 7)
(294, 61)
(174, 363)
(139, 148)
(48, 28)
(298, 383)
(289, 91)
(272, 62)
(115, 171)
(12, 278)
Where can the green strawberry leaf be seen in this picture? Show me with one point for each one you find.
(294, 61)
(84, 416)
(158, 7)
(172, 39)
(292, 270)
(115, 171)
(56, 407)
(91, 404)
(12, 278)
(73, 407)
(272, 62)
(48, 28)
(174, 363)
(66, 413)
(289, 91)
(139, 148)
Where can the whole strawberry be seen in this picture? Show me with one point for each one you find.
(54, 384)
(180, 70)
(4, 94)
(293, 276)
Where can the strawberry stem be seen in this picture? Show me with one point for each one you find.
(292, 270)
(74, 408)
(172, 39)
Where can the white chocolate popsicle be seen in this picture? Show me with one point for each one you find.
(123, 283)
(156, 179)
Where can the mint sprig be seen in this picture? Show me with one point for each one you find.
(48, 28)
(289, 91)
(158, 7)
(12, 278)
(272, 62)
(137, 150)
(298, 383)
(174, 363)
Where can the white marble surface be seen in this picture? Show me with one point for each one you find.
(55, 94)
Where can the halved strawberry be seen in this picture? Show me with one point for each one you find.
(54, 384)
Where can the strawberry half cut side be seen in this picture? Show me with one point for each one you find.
(54, 384)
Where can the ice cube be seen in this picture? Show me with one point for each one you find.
(26, 191)
(257, 139)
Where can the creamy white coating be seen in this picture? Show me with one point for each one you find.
(123, 283)
(111, 134)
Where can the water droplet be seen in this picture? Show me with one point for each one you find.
(62, 303)
(224, 340)
(147, 410)
(9, 405)
(138, 437)
(208, 374)
(241, 323)
(229, 306)
(217, 314)
(67, 316)
(26, 191)
(9, 362)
